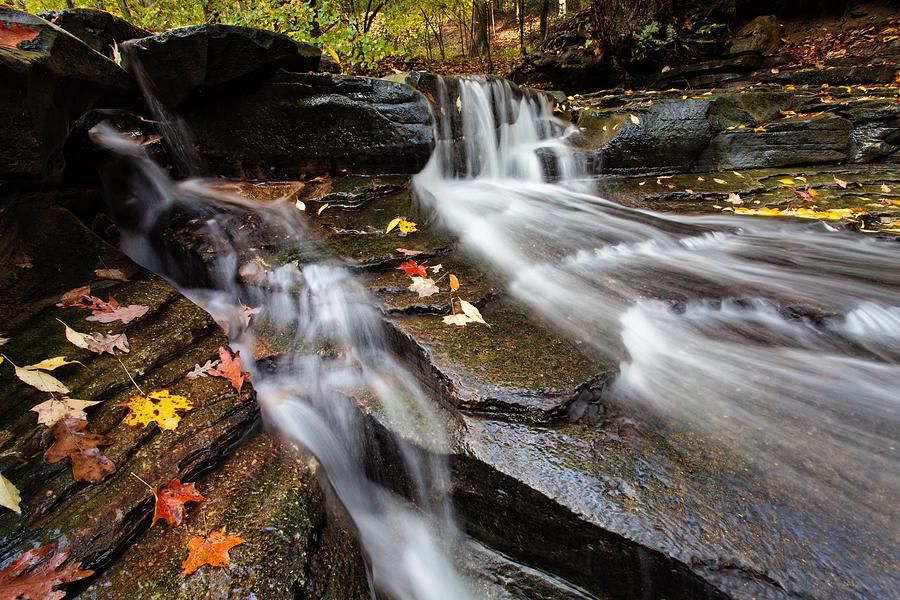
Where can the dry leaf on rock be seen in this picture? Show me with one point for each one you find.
(28, 578)
(170, 498)
(53, 410)
(423, 286)
(454, 282)
(840, 182)
(210, 550)
(436, 268)
(471, 311)
(411, 268)
(9, 495)
(79, 445)
(230, 369)
(74, 297)
(407, 252)
(459, 319)
(41, 381)
(158, 407)
(112, 274)
(125, 314)
(97, 342)
(202, 371)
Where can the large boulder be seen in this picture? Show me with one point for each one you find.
(97, 28)
(182, 61)
(762, 35)
(291, 124)
(48, 79)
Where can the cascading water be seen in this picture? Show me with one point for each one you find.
(337, 354)
(775, 340)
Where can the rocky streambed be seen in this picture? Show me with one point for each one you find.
(564, 492)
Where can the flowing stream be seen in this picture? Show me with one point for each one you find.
(778, 340)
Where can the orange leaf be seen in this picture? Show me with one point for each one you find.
(411, 268)
(170, 499)
(230, 369)
(211, 550)
(42, 577)
(454, 282)
(74, 297)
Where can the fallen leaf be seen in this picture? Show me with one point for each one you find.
(202, 371)
(801, 179)
(41, 381)
(786, 181)
(459, 319)
(885, 188)
(112, 274)
(211, 550)
(423, 286)
(9, 495)
(125, 314)
(50, 364)
(812, 192)
(436, 268)
(734, 198)
(840, 182)
(406, 226)
(411, 269)
(394, 222)
(738, 174)
(406, 252)
(300, 205)
(42, 577)
(97, 342)
(230, 369)
(322, 208)
(471, 311)
(170, 499)
(454, 282)
(158, 407)
(53, 410)
(634, 120)
(74, 297)
(79, 445)
(3, 340)
(720, 181)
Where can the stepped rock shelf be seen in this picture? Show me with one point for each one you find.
(562, 492)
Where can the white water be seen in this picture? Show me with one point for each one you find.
(695, 309)
(338, 355)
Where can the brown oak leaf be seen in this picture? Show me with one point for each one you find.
(125, 314)
(74, 442)
(230, 369)
(210, 550)
(114, 274)
(74, 297)
(41, 576)
(170, 499)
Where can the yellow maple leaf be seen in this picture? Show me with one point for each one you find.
(160, 407)
(406, 226)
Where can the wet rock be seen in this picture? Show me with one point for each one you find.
(98, 521)
(762, 35)
(98, 29)
(48, 79)
(183, 61)
(293, 124)
(267, 494)
(724, 129)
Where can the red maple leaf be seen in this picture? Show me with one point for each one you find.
(39, 581)
(230, 368)
(411, 268)
(170, 499)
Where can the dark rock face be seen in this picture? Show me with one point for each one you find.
(182, 61)
(762, 34)
(96, 28)
(48, 79)
(292, 124)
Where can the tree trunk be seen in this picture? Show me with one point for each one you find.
(545, 15)
(563, 8)
(480, 16)
(522, 26)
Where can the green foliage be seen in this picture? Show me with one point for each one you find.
(710, 28)
(653, 38)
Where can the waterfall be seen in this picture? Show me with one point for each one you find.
(338, 356)
(775, 340)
